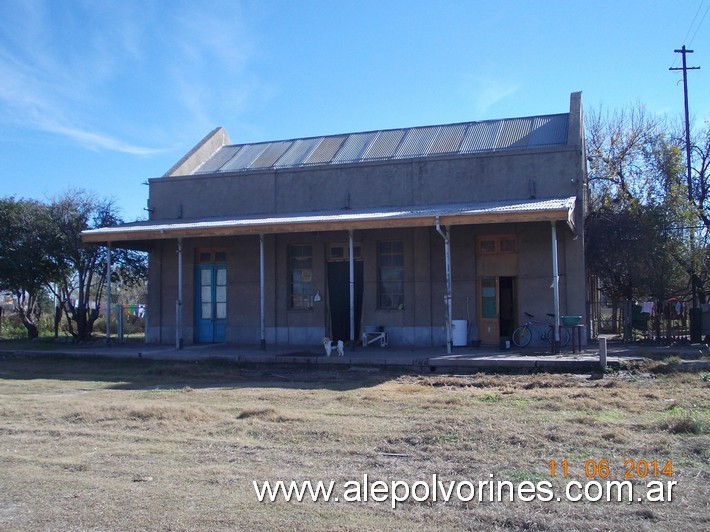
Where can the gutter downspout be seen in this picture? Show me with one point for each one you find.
(178, 303)
(447, 297)
(555, 288)
(352, 289)
(262, 296)
(108, 293)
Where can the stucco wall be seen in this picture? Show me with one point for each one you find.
(505, 175)
(420, 322)
(509, 175)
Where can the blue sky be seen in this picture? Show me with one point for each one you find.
(104, 95)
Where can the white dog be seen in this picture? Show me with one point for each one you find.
(328, 344)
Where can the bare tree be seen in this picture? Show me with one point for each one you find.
(701, 175)
(81, 292)
(619, 147)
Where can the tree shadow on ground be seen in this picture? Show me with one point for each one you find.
(140, 374)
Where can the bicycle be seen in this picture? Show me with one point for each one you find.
(523, 334)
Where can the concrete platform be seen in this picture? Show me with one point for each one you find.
(463, 359)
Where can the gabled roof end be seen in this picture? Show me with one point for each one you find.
(202, 151)
(575, 131)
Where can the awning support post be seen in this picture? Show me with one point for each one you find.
(108, 294)
(352, 288)
(445, 234)
(262, 296)
(555, 288)
(178, 303)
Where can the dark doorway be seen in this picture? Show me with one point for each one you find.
(339, 299)
(506, 289)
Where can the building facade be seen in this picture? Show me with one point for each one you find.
(414, 231)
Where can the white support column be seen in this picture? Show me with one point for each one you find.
(262, 294)
(108, 293)
(602, 353)
(352, 288)
(445, 234)
(555, 286)
(178, 303)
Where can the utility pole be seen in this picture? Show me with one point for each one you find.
(695, 314)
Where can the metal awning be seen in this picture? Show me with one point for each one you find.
(544, 210)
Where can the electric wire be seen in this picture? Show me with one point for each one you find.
(699, 25)
(690, 28)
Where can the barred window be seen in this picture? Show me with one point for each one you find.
(390, 275)
(300, 273)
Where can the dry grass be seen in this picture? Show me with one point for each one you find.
(116, 445)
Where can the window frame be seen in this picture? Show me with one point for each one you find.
(497, 241)
(216, 256)
(390, 271)
(304, 294)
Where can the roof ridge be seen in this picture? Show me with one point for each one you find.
(373, 131)
(458, 138)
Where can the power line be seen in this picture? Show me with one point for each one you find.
(700, 6)
(699, 24)
(690, 28)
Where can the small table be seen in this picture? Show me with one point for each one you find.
(372, 337)
(575, 332)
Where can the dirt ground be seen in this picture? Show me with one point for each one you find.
(129, 445)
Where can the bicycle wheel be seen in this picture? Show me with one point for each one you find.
(522, 336)
(564, 336)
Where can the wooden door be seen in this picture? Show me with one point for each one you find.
(489, 313)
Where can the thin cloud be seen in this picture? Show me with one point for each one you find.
(490, 92)
(208, 63)
(31, 103)
(67, 90)
(96, 140)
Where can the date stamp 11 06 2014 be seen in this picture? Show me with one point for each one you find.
(631, 469)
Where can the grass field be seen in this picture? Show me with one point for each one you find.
(88, 444)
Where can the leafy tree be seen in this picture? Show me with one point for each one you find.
(82, 291)
(639, 228)
(29, 251)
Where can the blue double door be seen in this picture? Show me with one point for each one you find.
(211, 303)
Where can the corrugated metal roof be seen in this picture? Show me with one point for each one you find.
(326, 150)
(297, 152)
(271, 154)
(244, 157)
(514, 133)
(416, 142)
(354, 146)
(215, 162)
(481, 136)
(448, 139)
(549, 131)
(385, 144)
(462, 138)
(560, 209)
